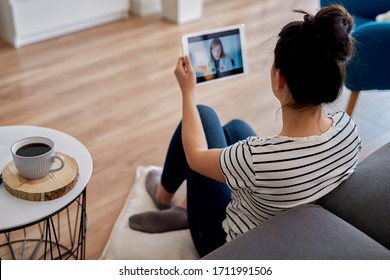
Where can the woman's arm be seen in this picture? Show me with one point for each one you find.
(200, 159)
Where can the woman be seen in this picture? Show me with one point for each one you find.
(219, 60)
(235, 180)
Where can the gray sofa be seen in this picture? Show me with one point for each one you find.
(352, 222)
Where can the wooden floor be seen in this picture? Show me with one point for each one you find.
(113, 88)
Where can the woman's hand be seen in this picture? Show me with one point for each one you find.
(185, 75)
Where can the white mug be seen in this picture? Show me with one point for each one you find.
(34, 157)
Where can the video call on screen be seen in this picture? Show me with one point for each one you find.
(200, 54)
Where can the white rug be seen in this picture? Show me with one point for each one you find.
(127, 244)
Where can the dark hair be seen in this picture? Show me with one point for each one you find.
(216, 42)
(311, 54)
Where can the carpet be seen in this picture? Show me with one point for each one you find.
(127, 244)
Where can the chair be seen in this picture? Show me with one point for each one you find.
(369, 68)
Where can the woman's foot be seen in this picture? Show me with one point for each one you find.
(160, 198)
(160, 221)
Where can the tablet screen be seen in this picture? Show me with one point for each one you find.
(217, 54)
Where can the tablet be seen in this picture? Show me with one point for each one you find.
(217, 54)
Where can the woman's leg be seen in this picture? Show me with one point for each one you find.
(174, 170)
(207, 199)
(237, 130)
(162, 187)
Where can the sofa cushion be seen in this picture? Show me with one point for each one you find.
(304, 232)
(364, 199)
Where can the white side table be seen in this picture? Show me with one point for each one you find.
(20, 217)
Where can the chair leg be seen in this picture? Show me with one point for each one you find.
(352, 101)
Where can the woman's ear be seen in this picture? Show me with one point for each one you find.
(280, 86)
(280, 81)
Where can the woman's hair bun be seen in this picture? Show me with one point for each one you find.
(312, 54)
(330, 29)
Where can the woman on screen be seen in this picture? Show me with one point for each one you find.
(219, 60)
(237, 180)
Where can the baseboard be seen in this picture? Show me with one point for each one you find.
(49, 34)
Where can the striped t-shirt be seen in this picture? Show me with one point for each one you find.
(268, 175)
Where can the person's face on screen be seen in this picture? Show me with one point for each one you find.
(216, 51)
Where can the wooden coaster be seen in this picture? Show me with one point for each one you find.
(53, 186)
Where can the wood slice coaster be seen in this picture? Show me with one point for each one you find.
(53, 186)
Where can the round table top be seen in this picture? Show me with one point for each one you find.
(16, 212)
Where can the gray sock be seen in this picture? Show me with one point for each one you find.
(160, 221)
(151, 182)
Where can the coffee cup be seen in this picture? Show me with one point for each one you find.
(34, 157)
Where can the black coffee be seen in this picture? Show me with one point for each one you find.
(33, 149)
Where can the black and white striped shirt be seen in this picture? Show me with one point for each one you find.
(272, 174)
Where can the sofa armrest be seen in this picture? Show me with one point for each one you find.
(364, 199)
(303, 232)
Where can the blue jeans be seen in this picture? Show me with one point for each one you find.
(206, 198)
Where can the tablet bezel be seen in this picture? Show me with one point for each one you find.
(214, 33)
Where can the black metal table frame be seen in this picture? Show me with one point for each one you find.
(50, 234)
